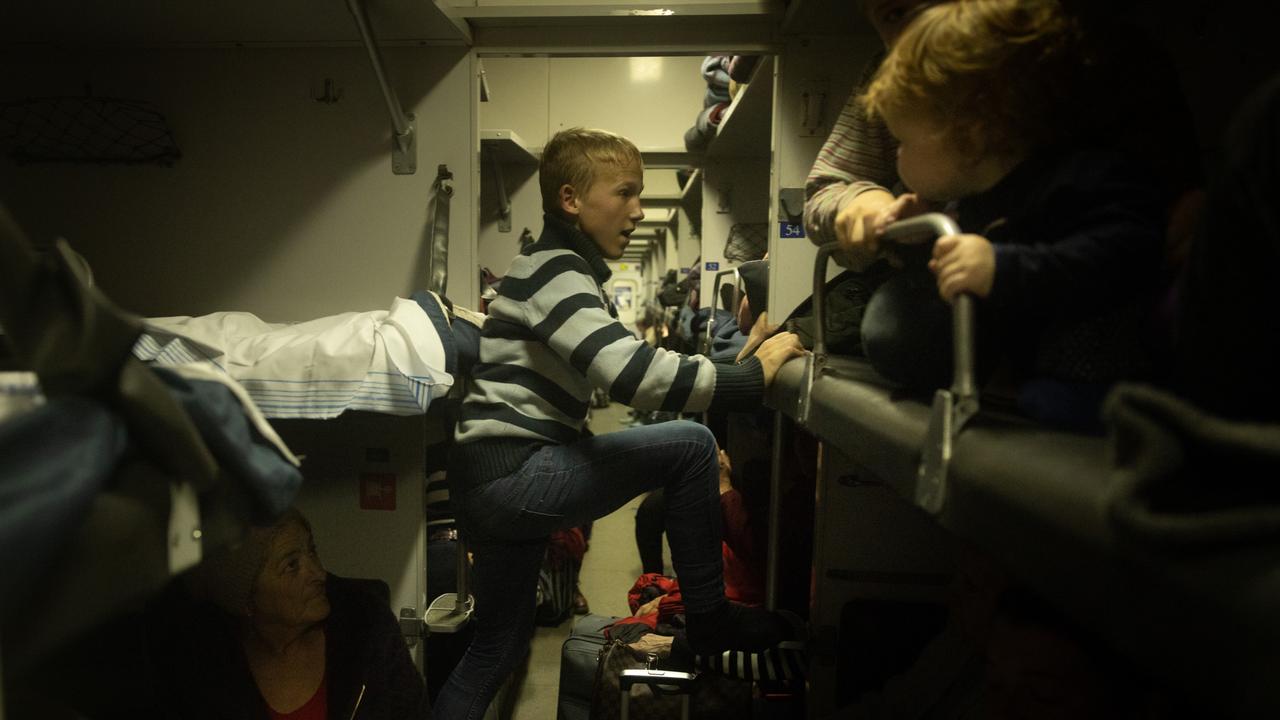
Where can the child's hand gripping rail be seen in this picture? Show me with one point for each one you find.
(953, 407)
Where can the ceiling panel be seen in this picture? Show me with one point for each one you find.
(166, 22)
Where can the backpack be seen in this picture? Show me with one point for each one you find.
(847, 297)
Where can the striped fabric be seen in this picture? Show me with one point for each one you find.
(859, 155)
(552, 336)
(782, 666)
(439, 512)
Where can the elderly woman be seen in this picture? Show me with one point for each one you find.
(263, 631)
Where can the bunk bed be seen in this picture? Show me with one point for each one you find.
(1184, 592)
(139, 446)
(115, 477)
(120, 475)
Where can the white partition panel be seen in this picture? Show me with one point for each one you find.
(280, 205)
(821, 74)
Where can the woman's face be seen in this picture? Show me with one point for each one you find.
(290, 589)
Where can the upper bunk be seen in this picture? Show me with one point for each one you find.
(1148, 537)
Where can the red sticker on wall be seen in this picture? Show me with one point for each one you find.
(377, 491)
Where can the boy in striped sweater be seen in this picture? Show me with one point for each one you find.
(520, 466)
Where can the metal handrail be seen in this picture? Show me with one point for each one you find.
(401, 122)
(932, 226)
(816, 361)
(715, 299)
(952, 408)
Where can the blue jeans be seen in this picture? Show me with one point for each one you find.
(508, 520)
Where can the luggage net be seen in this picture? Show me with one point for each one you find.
(86, 130)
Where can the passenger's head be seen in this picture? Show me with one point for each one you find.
(890, 17)
(971, 87)
(593, 179)
(273, 577)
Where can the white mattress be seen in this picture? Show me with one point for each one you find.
(387, 361)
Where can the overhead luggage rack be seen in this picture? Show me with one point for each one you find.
(86, 130)
(1036, 500)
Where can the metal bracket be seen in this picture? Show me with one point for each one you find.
(952, 409)
(504, 204)
(451, 612)
(813, 107)
(715, 298)
(410, 626)
(791, 204)
(404, 146)
(815, 363)
(724, 201)
(484, 81)
(185, 547)
(404, 150)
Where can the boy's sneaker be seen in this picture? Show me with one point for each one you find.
(737, 627)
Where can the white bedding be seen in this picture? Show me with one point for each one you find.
(388, 361)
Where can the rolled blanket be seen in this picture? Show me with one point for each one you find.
(1182, 477)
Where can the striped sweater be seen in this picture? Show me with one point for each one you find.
(551, 337)
(859, 155)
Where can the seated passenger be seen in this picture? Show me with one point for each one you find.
(743, 562)
(854, 178)
(1060, 240)
(262, 631)
(520, 468)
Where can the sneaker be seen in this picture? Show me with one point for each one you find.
(737, 627)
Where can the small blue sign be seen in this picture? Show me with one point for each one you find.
(790, 230)
(713, 266)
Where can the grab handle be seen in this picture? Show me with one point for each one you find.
(715, 297)
(953, 407)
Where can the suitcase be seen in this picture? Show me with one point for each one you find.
(629, 688)
(667, 682)
(578, 659)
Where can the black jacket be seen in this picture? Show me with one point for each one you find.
(1078, 235)
(202, 673)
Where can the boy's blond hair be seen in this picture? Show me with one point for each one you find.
(1002, 75)
(575, 156)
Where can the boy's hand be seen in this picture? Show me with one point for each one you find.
(759, 332)
(963, 263)
(776, 351)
